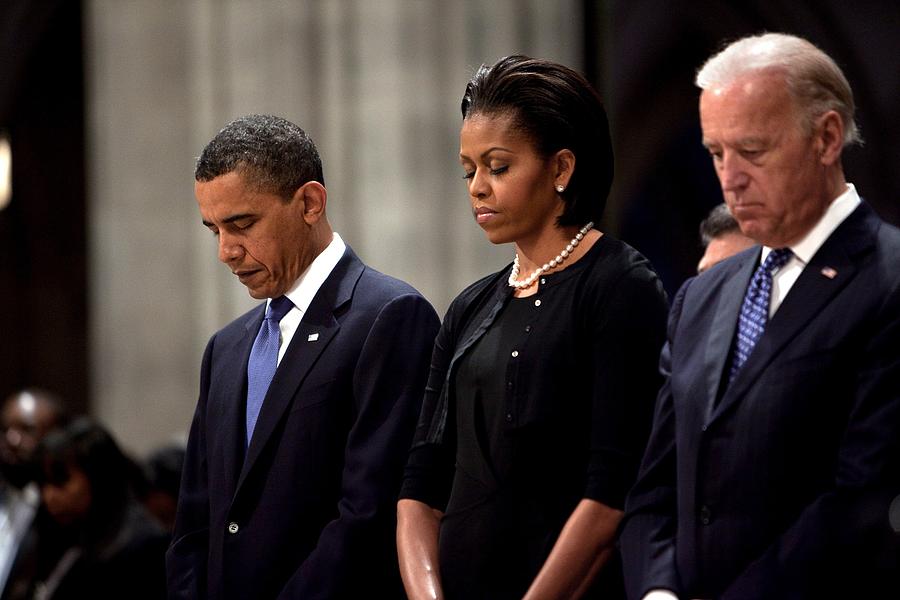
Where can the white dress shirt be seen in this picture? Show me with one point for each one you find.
(17, 511)
(839, 209)
(305, 289)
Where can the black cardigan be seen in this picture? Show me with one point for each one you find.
(580, 393)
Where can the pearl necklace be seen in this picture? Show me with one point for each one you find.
(562, 256)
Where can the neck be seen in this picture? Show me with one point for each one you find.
(534, 253)
(321, 235)
(836, 183)
(572, 251)
(833, 186)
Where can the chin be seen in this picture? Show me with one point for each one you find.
(496, 237)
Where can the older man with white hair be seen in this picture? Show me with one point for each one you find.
(775, 449)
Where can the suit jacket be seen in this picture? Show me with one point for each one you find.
(778, 485)
(310, 511)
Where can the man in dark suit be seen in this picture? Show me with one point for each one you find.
(27, 416)
(307, 403)
(721, 236)
(774, 452)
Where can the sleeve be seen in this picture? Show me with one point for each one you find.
(387, 385)
(186, 558)
(429, 469)
(846, 530)
(627, 332)
(647, 532)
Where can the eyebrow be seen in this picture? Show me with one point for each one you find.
(488, 151)
(230, 219)
(745, 141)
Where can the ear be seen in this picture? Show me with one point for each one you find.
(564, 167)
(829, 137)
(313, 197)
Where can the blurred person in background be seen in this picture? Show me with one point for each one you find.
(27, 417)
(721, 237)
(543, 376)
(109, 546)
(162, 480)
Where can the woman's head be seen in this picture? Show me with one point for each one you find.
(555, 109)
(82, 473)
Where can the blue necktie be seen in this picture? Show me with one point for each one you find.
(264, 360)
(755, 309)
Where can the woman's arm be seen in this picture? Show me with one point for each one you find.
(417, 549)
(583, 546)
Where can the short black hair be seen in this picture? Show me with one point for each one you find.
(717, 223)
(87, 446)
(273, 153)
(556, 108)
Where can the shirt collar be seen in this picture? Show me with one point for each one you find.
(839, 209)
(309, 282)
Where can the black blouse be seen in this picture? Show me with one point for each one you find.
(574, 400)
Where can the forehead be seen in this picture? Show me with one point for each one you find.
(484, 131)
(757, 103)
(21, 409)
(227, 194)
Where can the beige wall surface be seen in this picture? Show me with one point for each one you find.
(376, 83)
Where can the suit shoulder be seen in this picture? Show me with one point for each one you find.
(377, 292)
(239, 325)
(385, 287)
(889, 238)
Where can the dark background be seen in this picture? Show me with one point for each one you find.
(43, 303)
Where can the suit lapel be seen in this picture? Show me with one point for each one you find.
(314, 333)
(718, 348)
(829, 270)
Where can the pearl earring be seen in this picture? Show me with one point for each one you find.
(560, 188)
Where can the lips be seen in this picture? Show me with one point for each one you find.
(745, 207)
(483, 214)
(246, 274)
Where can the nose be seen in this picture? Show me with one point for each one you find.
(478, 185)
(732, 174)
(229, 249)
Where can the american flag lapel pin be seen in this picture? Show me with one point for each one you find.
(312, 337)
(829, 272)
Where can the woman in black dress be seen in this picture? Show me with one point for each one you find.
(105, 545)
(543, 376)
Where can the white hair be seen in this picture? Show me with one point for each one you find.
(813, 79)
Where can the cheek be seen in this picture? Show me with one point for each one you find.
(262, 253)
(76, 497)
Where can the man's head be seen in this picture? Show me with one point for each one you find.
(721, 236)
(27, 417)
(260, 190)
(776, 113)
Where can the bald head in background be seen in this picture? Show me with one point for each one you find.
(27, 417)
